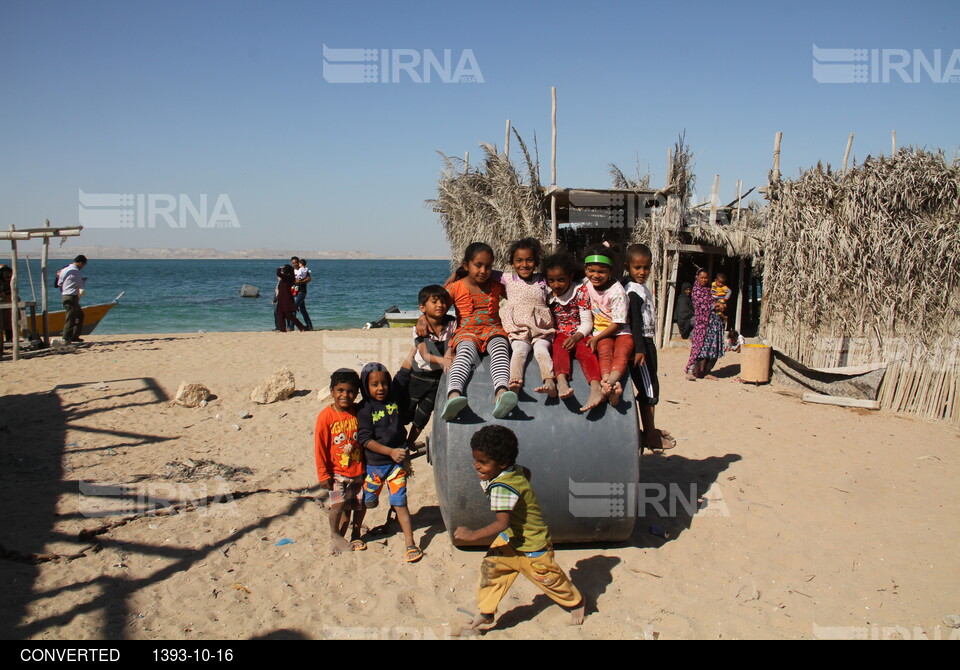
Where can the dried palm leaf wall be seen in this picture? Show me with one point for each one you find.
(864, 267)
(490, 202)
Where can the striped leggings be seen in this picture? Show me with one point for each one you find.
(468, 357)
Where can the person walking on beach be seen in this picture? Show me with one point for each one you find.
(301, 279)
(71, 288)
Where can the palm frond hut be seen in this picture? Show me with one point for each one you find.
(490, 202)
(497, 203)
(863, 266)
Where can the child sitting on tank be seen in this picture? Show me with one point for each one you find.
(431, 359)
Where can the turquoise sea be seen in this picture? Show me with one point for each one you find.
(184, 296)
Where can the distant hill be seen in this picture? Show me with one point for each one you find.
(213, 254)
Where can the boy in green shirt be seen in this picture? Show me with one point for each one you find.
(522, 544)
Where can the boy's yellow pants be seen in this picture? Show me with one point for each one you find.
(501, 566)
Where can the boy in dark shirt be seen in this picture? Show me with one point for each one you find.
(383, 437)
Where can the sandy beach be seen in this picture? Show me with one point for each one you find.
(815, 521)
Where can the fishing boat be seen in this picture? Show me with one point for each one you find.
(92, 316)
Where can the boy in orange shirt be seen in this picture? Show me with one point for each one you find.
(339, 457)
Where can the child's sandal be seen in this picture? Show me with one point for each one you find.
(505, 404)
(412, 554)
(358, 545)
(453, 407)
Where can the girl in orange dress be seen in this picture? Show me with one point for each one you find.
(476, 291)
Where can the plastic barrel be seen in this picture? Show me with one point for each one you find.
(755, 362)
(585, 466)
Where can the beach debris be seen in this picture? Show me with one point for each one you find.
(235, 426)
(243, 414)
(191, 395)
(952, 620)
(278, 387)
(218, 417)
(284, 541)
(241, 587)
(249, 291)
(659, 532)
(190, 469)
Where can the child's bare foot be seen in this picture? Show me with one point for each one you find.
(615, 392)
(577, 614)
(690, 377)
(564, 389)
(515, 384)
(338, 545)
(594, 399)
(480, 624)
(711, 378)
(549, 387)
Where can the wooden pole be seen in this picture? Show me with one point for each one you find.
(893, 143)
(661, 336)
(713, 199)
(44, 298)
(665, 258)
(739, 198)
(740, 296)
(553, 169)
(671, 299)
(846, 154)
(14, 299)
(466, 160)
(553, 151)
(776, 157)
(506, 141)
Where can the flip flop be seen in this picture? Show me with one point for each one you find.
(505, 404)
(453, 407)
(412, 554)
(358, 545)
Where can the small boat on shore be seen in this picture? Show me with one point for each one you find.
(92, 316)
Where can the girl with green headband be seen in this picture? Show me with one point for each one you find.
(611, 339)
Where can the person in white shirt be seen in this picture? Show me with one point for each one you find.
(301, 277)
(71, 288)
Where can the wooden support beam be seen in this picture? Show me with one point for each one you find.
(44, 298)
(846, 154)
(506, 141)
(553, 168)
(840, 401)
(671, 299)
(714, 199)
(740, 296)
(776, 157)
(696, 248)
(14, 296)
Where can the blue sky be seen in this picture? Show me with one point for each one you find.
(229, 98)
